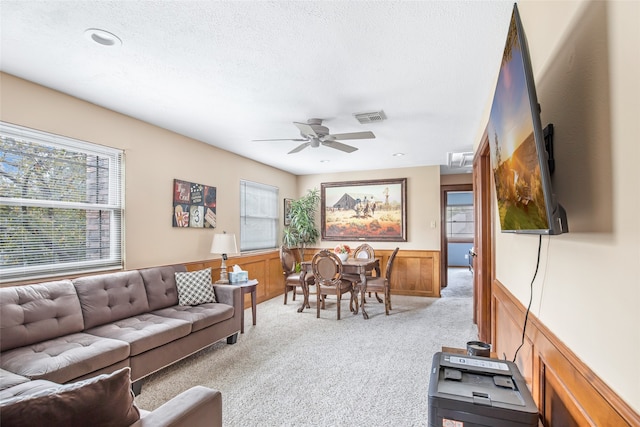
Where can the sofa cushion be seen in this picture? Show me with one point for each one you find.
(144, 332)
(109, 297)
(105, 400)
(195, 287)
(64, 358)
(9, 379)
(33, 313)
(200, 316)
(160, 284)
(27, 388)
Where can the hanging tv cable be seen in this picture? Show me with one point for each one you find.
(526, 316)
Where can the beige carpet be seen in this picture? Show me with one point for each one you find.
(293, 369)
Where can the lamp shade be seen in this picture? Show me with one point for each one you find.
(224, 244)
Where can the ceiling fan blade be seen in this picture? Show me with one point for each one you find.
(305, 129)
(353, 135)
(339, 146)
(299, 147)
(282, 139)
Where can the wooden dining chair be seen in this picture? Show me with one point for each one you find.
(327, 271)
(383, 284)
(292, 278)
(366, 251)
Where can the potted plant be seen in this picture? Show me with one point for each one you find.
(302, 230)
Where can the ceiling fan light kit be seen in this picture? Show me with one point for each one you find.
(315, 134)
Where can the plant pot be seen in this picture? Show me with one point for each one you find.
(343, 257)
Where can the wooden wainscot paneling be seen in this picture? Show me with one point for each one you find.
(265, 267)
(567, 392)
(415, 272)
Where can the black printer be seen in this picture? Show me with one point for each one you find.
(474, 391)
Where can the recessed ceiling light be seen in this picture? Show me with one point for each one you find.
(102, 37)
(324, 161)
(398, 154)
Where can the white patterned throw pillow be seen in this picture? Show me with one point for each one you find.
(194, 287)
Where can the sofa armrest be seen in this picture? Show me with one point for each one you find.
(231, 295)
(197, 407)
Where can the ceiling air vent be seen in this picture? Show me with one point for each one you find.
(376, 116)
(460, 160)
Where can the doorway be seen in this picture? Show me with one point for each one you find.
(457, 233)
(483, 236)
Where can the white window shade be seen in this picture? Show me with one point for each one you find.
(258, 216)
(61, 205)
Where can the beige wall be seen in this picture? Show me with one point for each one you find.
(423, 203)
(586, 65)
(153, 158)
(456, 179)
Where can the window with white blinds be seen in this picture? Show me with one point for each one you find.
(258, 216)
(61, 205)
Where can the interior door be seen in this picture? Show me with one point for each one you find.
(483, 249)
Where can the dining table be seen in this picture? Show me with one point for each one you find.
(354, 267)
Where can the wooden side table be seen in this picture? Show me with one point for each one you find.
(250, 286)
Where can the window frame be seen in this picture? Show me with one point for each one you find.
(112, 188)
(247, 245)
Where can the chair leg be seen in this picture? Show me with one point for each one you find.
(338, 298)
(318, 305)
(387, 301)
(286, 291)
(377, 297)
(294, 293)
(354, 298)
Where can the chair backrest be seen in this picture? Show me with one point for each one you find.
(364, 251)
(327, 268)
(287, 259)
(390, 264)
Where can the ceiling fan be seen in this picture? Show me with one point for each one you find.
(314, 133)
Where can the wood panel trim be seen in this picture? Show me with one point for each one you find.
(556, 370)
(264, 267)
(415, 272)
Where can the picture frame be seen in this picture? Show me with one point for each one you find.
(194, 205)
(373, 210)
(287, 212)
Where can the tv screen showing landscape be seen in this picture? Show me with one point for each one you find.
(515, 157)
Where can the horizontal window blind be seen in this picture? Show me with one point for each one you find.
(61, 205)
(258, 216)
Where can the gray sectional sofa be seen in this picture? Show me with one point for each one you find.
(69, 330)
(103, 400)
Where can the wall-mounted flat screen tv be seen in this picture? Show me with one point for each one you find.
(519, 160)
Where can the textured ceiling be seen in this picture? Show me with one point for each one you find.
(229, 72)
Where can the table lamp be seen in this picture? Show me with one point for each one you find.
(224, 244)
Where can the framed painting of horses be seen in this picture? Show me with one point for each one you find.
(374, 210)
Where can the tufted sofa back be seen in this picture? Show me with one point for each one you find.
(109, 297)
(34, 313)
(160, 284)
